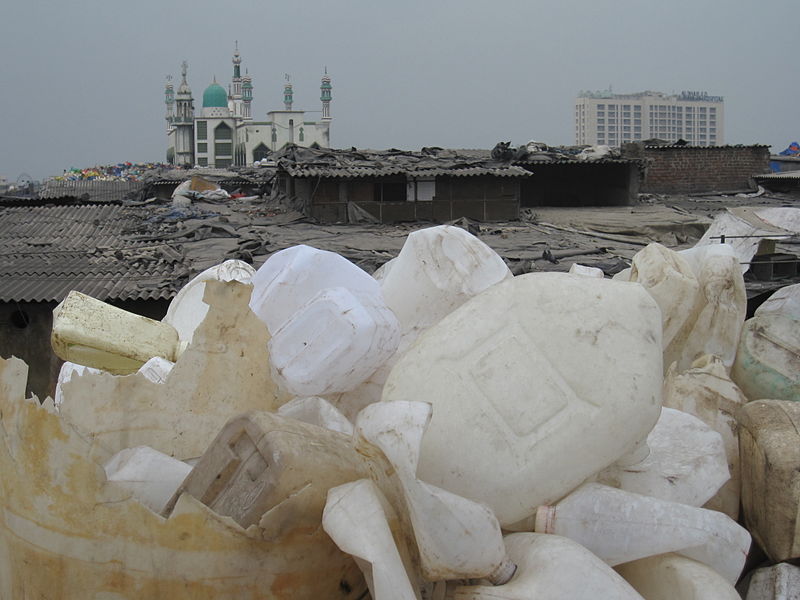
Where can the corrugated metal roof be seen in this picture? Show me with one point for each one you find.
(46, 251)
(789, 175)
(89, 190)
(675, 147)
(356, 172)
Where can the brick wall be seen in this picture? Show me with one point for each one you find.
(695, 169)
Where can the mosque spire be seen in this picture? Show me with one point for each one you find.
(288, 93)
(325, 96)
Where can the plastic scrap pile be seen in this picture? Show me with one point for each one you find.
(441, 429)
(119, 172)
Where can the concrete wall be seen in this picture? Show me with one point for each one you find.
(680, 170)
(25, 329)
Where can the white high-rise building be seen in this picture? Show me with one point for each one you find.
(225, 133)
(614, 119)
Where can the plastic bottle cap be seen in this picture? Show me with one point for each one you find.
(503, 573)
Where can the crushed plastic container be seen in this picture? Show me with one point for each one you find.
(157, 369)
(720, 312)
(768, 359)
(620, 527)
(66, 373)
(357, 517)
(707, 392)
(785, 301)
(151, 476)
(89, 332)
(686, 463)
(669, 279)
(330, 326)
(187, 309)
(317, 411)
(778, 582)
(675, 577)
(551, 566)
(457, 538)
(579, 269)
(536, 384)
(769, 445)
(267, 470)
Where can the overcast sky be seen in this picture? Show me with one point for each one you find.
(83, 82)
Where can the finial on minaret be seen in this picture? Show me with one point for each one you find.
(184, 69)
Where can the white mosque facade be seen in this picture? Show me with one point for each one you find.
(224, 134)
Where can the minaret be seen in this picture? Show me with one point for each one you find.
(184, 121)
(247, 96)
(169, 100)
(235, 94)
(287, 93)
(325, 96)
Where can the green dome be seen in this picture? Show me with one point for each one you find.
(215, 96)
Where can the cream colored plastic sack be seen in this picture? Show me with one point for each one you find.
(536, 384)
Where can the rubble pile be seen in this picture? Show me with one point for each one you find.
(125, 171)
(441, 429)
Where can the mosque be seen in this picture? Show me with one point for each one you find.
(225, 134)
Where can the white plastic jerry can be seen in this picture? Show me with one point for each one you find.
(92, 333)
(551, 567)
(536, 384)
(620, 527)
(456, 537)
(355, 517)
(675, 577)
(686, 463)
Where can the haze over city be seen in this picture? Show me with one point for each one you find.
(84, 83)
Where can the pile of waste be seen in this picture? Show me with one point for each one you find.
(439, 429)
(125, 171)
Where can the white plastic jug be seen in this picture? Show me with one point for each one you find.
(290, 278)
(317, 411)
(552, 567)
(437, 270)
(620, 526)
(89, 332)
(355, 516)
(768, 359)
(457, 538)
(721, 311)
(687, 462)
(330, 326)
(707, 392)
(675, 577)
(536, 384)
(187, 310)
(332, 344)
(669, 279)
(785, 301)
(151, 476)
(579, 269)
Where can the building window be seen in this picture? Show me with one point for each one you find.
(202, 130)
(222, 132)
(202, 147)
(302, 136)
(202, 161)
(601, 107)
(223, 162)
(222, 149)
